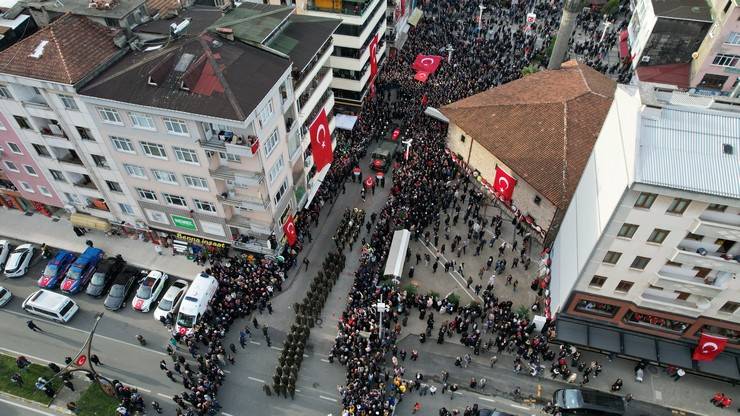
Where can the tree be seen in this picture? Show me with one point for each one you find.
(529, 70)
(610, 8)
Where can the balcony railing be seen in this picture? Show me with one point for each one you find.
(72, 159)
(353, 8)
(321, 103)
(303, 99)
(299, 77)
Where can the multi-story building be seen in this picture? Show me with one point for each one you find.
(716, 67)
(46, 121)
(647, 255)
(112, 13)
(363, 26)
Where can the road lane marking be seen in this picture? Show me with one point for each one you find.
(227, 371)
(325, 360)
(276, 348)
(328, 398)
(487, 399)
(449, 273)
(165, 396)
(34, 410)
(257, 380)
(254, 342)
(226, 414)
(519, 407)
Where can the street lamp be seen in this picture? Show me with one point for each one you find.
(449, 50)
(408, 148)
(481, 7)
(382, 308)
(607, 23)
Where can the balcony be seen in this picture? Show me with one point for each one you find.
(704, 258)
(686, 283)
(245, 202)
(70, 157)
(97, 204)
(249, 225)
(326, 101)
(693, 307)
(226, 141)
(348, 7)
(84, 181)
(317, 63)
(724, 226)
(242, 179)
(315, 92)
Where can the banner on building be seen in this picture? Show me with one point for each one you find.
(504, 184)
(373, 57)
(710, 346)
(321, 141)
(289, 230)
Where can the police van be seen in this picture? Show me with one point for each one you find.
(196, 302)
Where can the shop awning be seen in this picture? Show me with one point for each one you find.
(316, 183)
(434, 113)
(88, 221)
(416, 15)
(397, 253)
(675, 354)
(345, 121)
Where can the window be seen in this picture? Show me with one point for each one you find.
(69, 102)
(41, 150)
(84, 133)
(658, 236)
(175, 200)
(11, 166)
(695, 237)
(597, 281)
(122, 144)
(673, 263)
(186, 155)
(57, 175)
(678, 206)
(109, 115)
(640, 262)
(175, 126)
(165, 176)
(146, 194)
(266, 114)
(727, 60)
(701, 272)
(100, 161)
(229, 157)
(654, 321)
(26, 187)
(627, 230)
(142, 121)
(30, 170)
(733, 39)
(271, 143)
(23, 122)
(276, 168)
(14, 148)
(44, 191)
(126, 208)
(645, 200)
(537, 200)
(135, 171)
(281, 192)
(612, 257)
(5, 92)
(114, 186)
(596, 308)
(624, 286)
(157, 216)
(717, 207)
(682, 295)
(730, 307)
(196, 182)
(204, 206)
(713, 81)
(155, 150)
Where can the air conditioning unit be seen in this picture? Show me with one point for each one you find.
(645, 59)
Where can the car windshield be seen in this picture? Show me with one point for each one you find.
(144, 292)
(98, 279)
(3, 291)
(50, 270)
(73, 274)
(165, 305)
(116, 291)
(19, 251)
(573, 399)
(185, 320)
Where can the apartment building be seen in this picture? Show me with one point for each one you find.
(47, 125)
(716, 66)
(647, 255)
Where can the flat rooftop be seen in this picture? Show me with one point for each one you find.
(121, 8)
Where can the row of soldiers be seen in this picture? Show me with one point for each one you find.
(349, 228)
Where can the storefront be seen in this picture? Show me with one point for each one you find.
(88, 221)
(13, 200)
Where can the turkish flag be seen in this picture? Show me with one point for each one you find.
(504, 184)
(289, 230)
(424, 100)
(373, 56)
(403, 7)
(426, 63)
(421, 76)
(710, 346)
(321, 141)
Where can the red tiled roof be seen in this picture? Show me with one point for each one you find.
(163, 6)
(68, 50)
(542, 126)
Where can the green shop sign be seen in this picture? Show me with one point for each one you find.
(184, 222)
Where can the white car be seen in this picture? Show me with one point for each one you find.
(5, 296)
(18, 261)
(149, 289)
(4, 251)
(171, 299)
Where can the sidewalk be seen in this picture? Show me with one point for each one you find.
(40, 229)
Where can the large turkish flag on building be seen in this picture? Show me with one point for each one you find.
(373, 56)
(321, 141)
(426, 63)
(504, 184)
(710, 346)
(289, 230)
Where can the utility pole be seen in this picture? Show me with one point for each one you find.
(449, 49)
(381, 307)
(567, 24)
(481, 7)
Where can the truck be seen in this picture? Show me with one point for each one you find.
(383, 155)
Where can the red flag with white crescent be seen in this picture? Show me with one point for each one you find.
(710, 346)
(426, 63)
(373, 56)
(321, 141)
(289, 230)
(504, 184)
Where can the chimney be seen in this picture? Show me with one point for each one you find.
(567, 24)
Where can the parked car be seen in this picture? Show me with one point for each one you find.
(106, 271)
(4, 251)
(19, 260)
(81, 271)
(121, 288)
(493, 412)
(55, 269)
(149, 289)
(5, 296)
(171, 299)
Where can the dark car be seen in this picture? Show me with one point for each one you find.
(121, 289)
(107, 270)
(493, 412)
